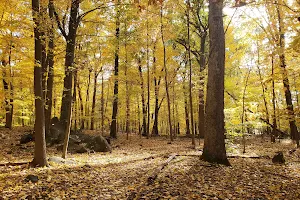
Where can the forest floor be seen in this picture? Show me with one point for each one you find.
(124, 173)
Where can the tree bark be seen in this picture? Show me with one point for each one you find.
(8, 92)
(190, 74)
(144, 109)
(66, 104)
(186, 108)
(94, 101)
(273, 103)
(40, 158)
(113, 126)
(286, 84)
(87, 100)
(214, 139)
(49, 92)
(127, 123)
(166, 71)
(81, 104)
(201, 114)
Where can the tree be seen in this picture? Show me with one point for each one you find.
(40, 158)
(214, 139)
(113, 125)
(165, 70)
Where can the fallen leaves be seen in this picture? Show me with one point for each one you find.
(123, 174)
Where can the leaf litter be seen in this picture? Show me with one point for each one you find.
(124, 173)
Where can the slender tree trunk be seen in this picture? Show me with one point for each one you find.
(156, 93)
(81, 105)
(286, 84)
(186, 109)
(40, 157)
(113, 126)
(75, 104)
(166, 71)
(94, 101)
(139, 116)
(243, 110)
(102, 103)
(144, 109)
(214, 139)
(274, 104)
(190, 74)
(87, 100)
(148, 79)
(49, 93)
(263, 92)
(7, 85)
(201, 114)
(127, 123)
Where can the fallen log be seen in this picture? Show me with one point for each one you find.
(14, 164)
(248, 156)
(154, 175)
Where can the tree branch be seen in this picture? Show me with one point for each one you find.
(60, 27)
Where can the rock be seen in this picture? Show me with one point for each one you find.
(99, 144)
(82, 149)
(27, 138)
(59, 160)
(278, 158)
(32, 178)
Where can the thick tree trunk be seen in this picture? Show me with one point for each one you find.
(66, 104)
(286, 84)
(113, 126)
(214, 139)
(40, 158)
(166, 71)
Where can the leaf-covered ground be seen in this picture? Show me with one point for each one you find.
(124, 173)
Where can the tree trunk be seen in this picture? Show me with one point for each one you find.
(40, 158)
(94, 101)
(201, 114)
(190, 74)
(50, 79)
(286, 84)
(263, 90)
(102, 103)
(214, 139)
(7, 85)
(81, 105)
(113, 126)
(87, 100)
(273, 103)
(186, 108)
(166, 71)
(156, 93)
(144, 109)
(127, 123)
(148, 79)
